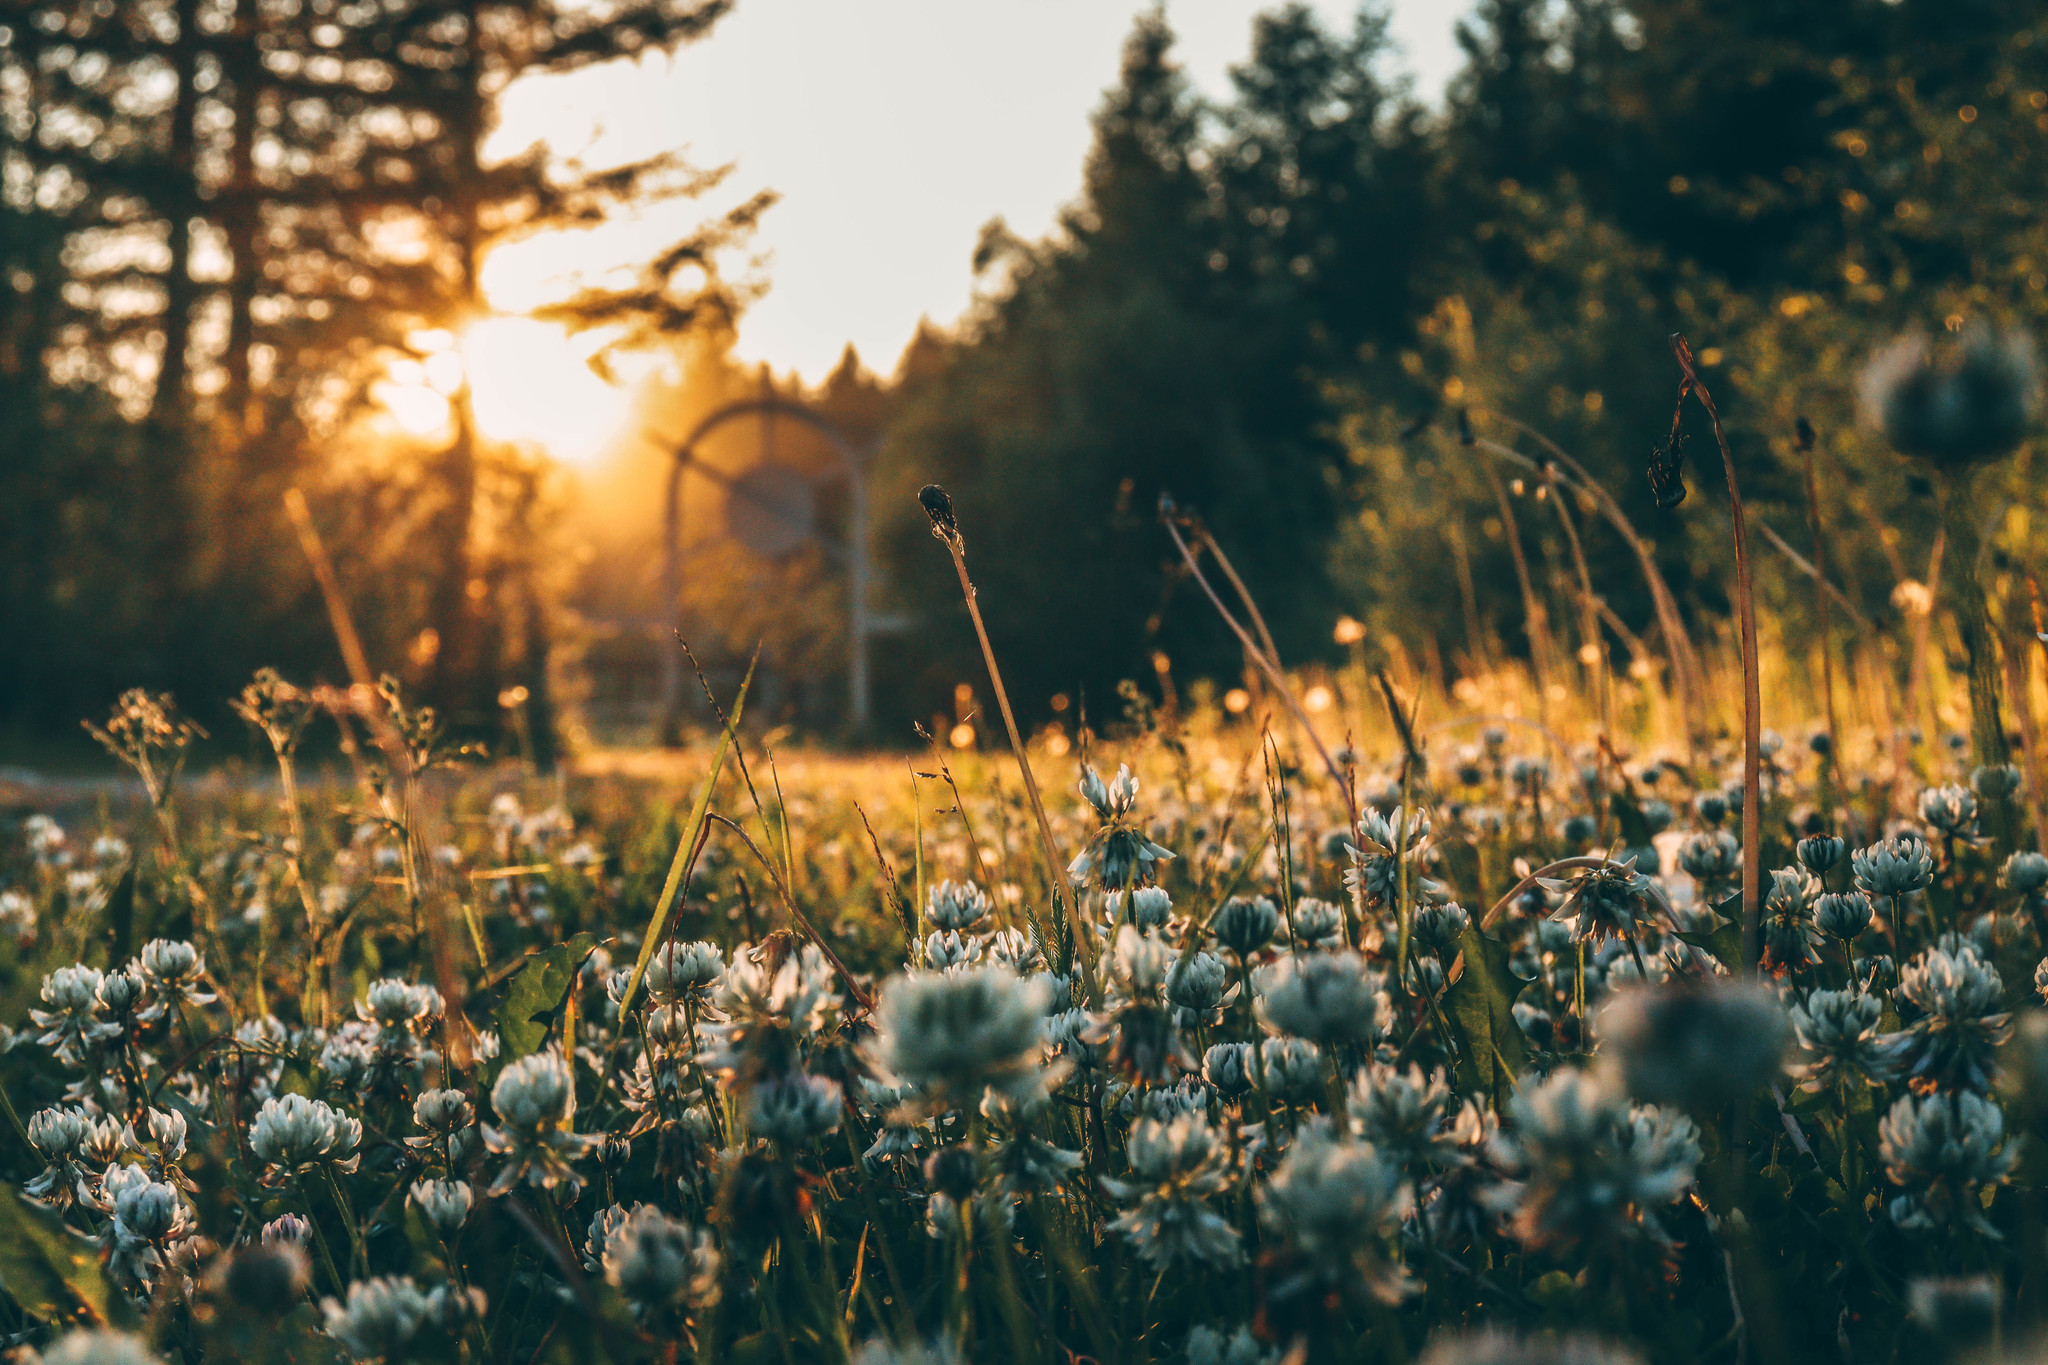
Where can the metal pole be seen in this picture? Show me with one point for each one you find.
(857, 572)
(670, 726)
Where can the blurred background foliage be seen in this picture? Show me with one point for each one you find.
(221, 222)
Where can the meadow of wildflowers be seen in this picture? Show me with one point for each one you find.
(1456, 1057)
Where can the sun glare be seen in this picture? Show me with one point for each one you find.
(530, 383)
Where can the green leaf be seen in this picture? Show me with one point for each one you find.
(657, 927)
(538, 989)
(51, 1271)
(1635, 830)
(1480, 1005)
(1724, 940)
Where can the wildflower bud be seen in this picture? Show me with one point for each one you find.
(1579, 831)
(290, 1227)
(1820, 852)
(171, 962)
(445, 1204)
(2024, 872)
(1695, 1045)
(1441, 926)
(1842, 914)
(614, 1152)
(1973, 401)
(1246, 924)
(957, 906)
(1151, 907)
(1892, 867)
(1710, 807)
(269, 1278)
(1952, 810)
(442, 1111)
(99, 1347)
(1230, 1067)
(794, 1109)
(1995, 782)
(679, 970)
(1290, 1070)
(1956, 1309)
(1196, 984)
(952, 1171)
(57, 1132)
(381, 1317)
(147, 1210)
(938, 506)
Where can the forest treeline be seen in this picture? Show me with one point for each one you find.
(1291, 309)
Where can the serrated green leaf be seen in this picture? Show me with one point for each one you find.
(51, 1271)
(1635, 830)
(538, 990)
(1480, 1007)
(1724, 940)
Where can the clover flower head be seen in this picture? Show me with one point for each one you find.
(1290, 1070)
(1612, 901)
(1944, 1148)
(794, 1108)
(71, 1023)
(1952, 810)
(1818, 853)
(1790, 935)
(1697, 1045)
(679, 972)
(1118, 854)
(1316, 924)
(952, 1036)
(939, 1351)
(100, 1347)
(535, 1100)
(1493, 1346)
(292, 1132)
(290, 1228)
(1208, 1346)
(1196, 986)
(445, 1204)
(1245, 924)
(1410, 1118)
(1892, 867)
(1954, 1003)
(1971, 401)
(1325, 997)
(1839, 1032)
(1711, 856)
(443, 1111)
(1593, 1168)
(1016, 950)
(146, 1210)
(381, 1317)
(1381, 845)
(1112, 800)
(1332, 1203)
(771, 1009)
(1233, 1068)
(2025, 872)
(176, 969)
(661, 1264)
(1440, 926)
(401, 1005)
(957, 906)
(1176, 1167)
(1842, 915)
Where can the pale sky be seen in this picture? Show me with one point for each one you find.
(893, 129)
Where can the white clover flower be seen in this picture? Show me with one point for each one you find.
(1955, 1004)
(177, 971)
(292, 1133)
(883, 1352)
(1016, 950)
(1233, 1068)
(1838, 1029)
(100, 1347)
(71, 1024)
(1711, 857)
(1207, 1346)
(1493, 1346)
(680, 973)
(1324, 997)
(382, 1316)
(291, 1228)
(535, 1100)
(1594, 1170)
(952, 1036)
(603, 1224)
(1245, 924)
(163, 1130)
(1291, 1070)
(1198, 988)
(1176, 1168)
(445, 1204)
(1697, 1045)
(771, 1012)
(1025, 1164)
(957, 906)
(1333, 1204)
(60, 1135)
(18, 913)
(1118, 854)
(1891, 868)
(946, 950)
(395, 1004)
(1318, 924)
(794, 1108)
(1952, 810)
(1945, 1148)
(661, 1264)
(1410, 1118)
(146, 1211)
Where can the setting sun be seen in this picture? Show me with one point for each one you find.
(530, 382)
